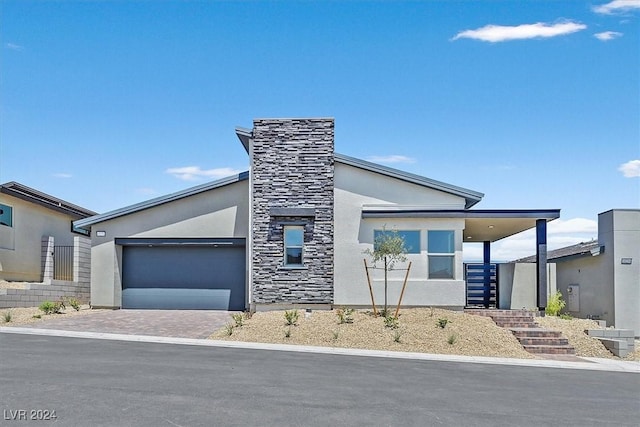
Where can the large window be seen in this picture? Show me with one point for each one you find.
(6, 215)
(293, 245)
(411, 238)
(441, 253)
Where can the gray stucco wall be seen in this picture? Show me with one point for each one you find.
(356, 187)
(608, 289)
(292, 166)
(21, 244)
(222, 212)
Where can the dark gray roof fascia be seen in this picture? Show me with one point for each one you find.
(471, 197)
(29, 194)
(548, 214)
(573, 251)
(244, 135)
(84, 223)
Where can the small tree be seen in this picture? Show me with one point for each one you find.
(388, 247)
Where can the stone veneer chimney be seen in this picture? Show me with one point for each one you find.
(292, 183)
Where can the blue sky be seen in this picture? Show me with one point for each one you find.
(534, 103)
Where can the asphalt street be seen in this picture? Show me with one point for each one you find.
(114, 383)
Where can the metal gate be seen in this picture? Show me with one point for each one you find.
(482, 285)
(63, 263)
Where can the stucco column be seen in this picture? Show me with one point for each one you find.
(541, 264)
(47, 259)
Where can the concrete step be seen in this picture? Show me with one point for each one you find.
(549, 349)
(535, 332)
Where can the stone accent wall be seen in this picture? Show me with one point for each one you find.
(292, 170)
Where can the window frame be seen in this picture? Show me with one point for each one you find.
(287, 246)
(10, 215)
(441, 255)
(410, 251)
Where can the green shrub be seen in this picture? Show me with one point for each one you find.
(228, 329)
(452, 339)
(345, 315)
(287, 332)
(566, 316)
(7, 316)
(555, 304)
(238, 318)
(396, 335)
(391, 322)
(73, 302)
(47, 307)
(291, 317)
(37, 316)
(442, 322)
(336, 335)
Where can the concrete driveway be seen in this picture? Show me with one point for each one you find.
(162, 323)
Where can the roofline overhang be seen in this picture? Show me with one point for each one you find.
(399, 212)
(471, 197)
(32, 195)
(244, 135)
(88, 222)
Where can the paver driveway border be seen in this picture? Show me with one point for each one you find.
(159, 323)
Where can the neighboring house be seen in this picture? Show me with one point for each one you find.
(601, 279)
(31, 223)
(292, 231)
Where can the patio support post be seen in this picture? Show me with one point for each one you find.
(486, 270)
(541, 263)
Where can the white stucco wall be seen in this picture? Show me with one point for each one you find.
(355, 187)
(517, 285)
(20, 245)
(221, 212)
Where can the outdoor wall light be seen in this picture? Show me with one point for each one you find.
(491, 226)
(626, 261)
(101, 233)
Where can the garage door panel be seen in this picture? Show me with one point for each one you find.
(184, 277)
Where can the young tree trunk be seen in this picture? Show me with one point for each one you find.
(385, 286)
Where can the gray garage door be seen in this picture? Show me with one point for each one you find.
(185, 274)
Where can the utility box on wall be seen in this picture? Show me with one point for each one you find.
(573, 298)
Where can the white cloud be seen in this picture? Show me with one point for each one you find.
(62, 175)
(560, 233)
(617, 6)
(13, 46)
(631, 169)
(393, 158)
(500, 33)
(607, 35)
(194, 173)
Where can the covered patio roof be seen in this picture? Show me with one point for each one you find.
(481, 225)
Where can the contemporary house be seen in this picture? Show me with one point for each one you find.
(292, 230)
(601, 279)
(32, 224)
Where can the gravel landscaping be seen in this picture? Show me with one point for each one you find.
(417, 331)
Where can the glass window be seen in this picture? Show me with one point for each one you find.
(411, 239)
(441, 253)
(6, 215)
(293, 245)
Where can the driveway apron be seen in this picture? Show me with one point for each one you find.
(162, 323)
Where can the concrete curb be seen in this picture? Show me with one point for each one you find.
(590, 363)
